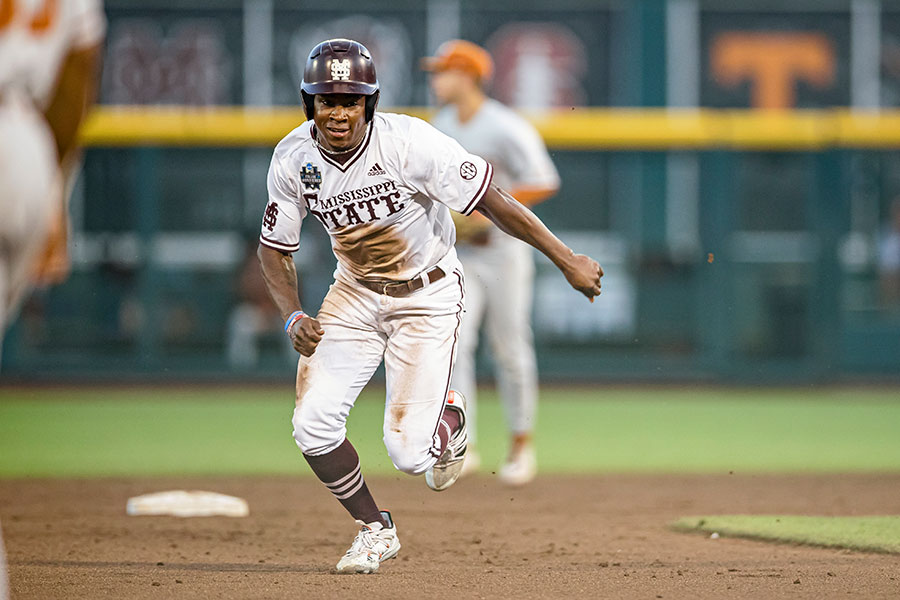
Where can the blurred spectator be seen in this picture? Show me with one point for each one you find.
(889, 259)
(254, 318)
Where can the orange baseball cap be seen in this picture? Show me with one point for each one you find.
(463, 55)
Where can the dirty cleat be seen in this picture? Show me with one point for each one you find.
(448, 467)
(373, 545)
(521, 468)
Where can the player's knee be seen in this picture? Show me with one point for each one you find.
(410, 455)
(315, 434)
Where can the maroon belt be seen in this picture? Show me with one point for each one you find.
(398, 289)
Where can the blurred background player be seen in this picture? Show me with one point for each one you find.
(499, 268)
(254, 320)
(49, 67)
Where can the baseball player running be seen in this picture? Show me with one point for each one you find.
(383, 186)
(499, 268)
(49, 59)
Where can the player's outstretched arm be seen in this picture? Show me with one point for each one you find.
(280, 275)
(582, 272)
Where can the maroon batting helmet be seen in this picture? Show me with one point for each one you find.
(339, 66)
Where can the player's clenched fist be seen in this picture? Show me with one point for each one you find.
(583, 273)
(306, 335)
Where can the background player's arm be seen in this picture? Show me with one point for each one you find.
(532, 195)
(76, 91)
(582, 272)
(473, 229)
(280, 275)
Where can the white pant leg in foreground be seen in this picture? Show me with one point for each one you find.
(30, 192)
(4, 579)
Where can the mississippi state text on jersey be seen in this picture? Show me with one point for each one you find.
(386, 207)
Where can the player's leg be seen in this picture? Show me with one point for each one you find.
(508, 325)
(420, 424)
(245, 323)
(4, 294)
(28, 195)
(328, 383)
(4, 580)
(464, 378)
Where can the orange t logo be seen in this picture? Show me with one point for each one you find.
(773, 62)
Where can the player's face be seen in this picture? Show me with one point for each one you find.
(340, 120)
(449, 85)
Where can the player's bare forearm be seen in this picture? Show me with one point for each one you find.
(76, 91)
(518, 221)
(582, 272)
(280, 275)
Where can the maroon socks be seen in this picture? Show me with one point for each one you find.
(448, 426)
(339, 471)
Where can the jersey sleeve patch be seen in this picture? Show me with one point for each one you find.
(482, 190)
(284, 212)
(440, 168)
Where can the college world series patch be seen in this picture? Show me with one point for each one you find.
(310, 176)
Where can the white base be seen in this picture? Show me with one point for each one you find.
(181, 503)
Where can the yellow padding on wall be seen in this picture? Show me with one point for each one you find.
(578, 129)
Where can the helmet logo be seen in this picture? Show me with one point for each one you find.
(340, 69)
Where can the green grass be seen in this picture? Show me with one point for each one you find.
(870, 534)
(197, 430)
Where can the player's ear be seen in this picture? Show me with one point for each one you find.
(307, 100)
(371, 103)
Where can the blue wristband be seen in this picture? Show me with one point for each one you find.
(295, 316)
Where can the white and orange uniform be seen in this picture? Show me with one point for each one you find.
(500, 273)
(387, 211)
(35, 38)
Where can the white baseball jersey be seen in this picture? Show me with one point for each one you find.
(35, 37)
(386, 207)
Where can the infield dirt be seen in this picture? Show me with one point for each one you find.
(561, 537)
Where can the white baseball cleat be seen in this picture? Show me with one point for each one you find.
(373, 545)
(446, 470)
(521, 468)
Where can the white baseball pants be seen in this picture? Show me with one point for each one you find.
(29, 195)
(416, 336)
(499, 292)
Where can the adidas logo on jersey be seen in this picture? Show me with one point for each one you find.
(376, 170)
